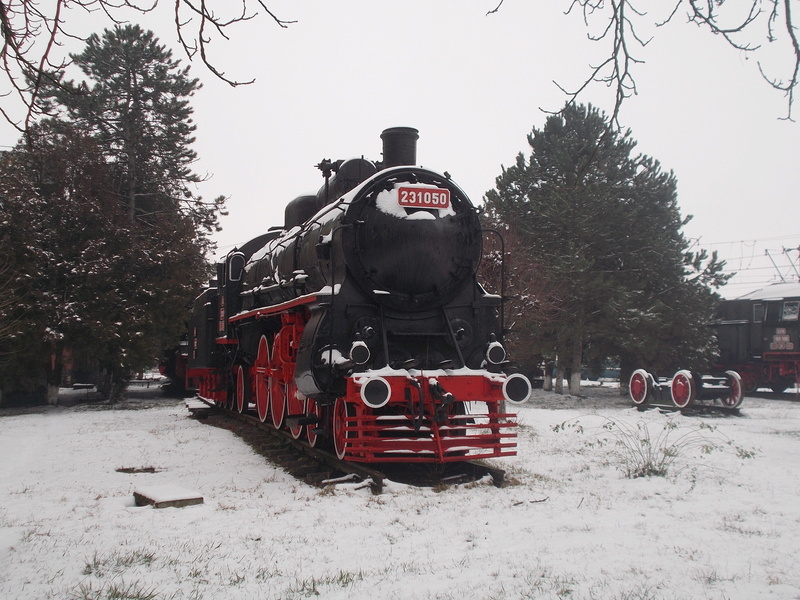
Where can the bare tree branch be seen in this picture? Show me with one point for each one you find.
(31, 33)
(710, 14)
(496, 8)
(616, 70)
(622, 20)
(788, 86)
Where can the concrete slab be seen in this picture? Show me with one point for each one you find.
(194, 404)
(165, 496)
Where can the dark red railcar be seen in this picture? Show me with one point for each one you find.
(758, 337)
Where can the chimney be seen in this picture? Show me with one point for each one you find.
(399, 146)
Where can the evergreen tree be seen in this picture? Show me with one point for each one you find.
(62, 233)
(114, 239)
(606, 225)
(135, 101)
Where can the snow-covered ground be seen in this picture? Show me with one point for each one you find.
(724, 523)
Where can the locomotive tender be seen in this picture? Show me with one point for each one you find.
(360, 323)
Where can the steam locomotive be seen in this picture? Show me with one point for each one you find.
(360, 323)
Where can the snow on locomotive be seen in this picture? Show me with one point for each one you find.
(361, 323)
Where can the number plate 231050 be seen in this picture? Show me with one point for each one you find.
(418, 197)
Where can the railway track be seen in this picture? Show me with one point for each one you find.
(321, 468)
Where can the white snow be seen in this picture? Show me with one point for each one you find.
(332, 356)
(328, 290)
(776, 291)
(721, 524)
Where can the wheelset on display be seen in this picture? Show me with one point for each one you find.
(685, 389)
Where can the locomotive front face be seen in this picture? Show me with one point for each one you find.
(413, 239)
(399, 254)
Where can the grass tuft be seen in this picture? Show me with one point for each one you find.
(642, 450)
(117, 562)
(114, 591)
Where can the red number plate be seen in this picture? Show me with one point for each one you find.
(418, 197)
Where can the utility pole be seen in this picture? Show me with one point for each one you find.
(794, 267)
(783, 279)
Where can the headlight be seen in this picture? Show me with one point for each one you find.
(359, 352)
(376, 392)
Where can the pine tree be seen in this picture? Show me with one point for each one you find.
(115, 239)
(135, 101)
(65, 240)
(606, 225)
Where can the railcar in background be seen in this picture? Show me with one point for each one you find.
(758, 337)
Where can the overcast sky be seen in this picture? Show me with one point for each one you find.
(474, 85)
